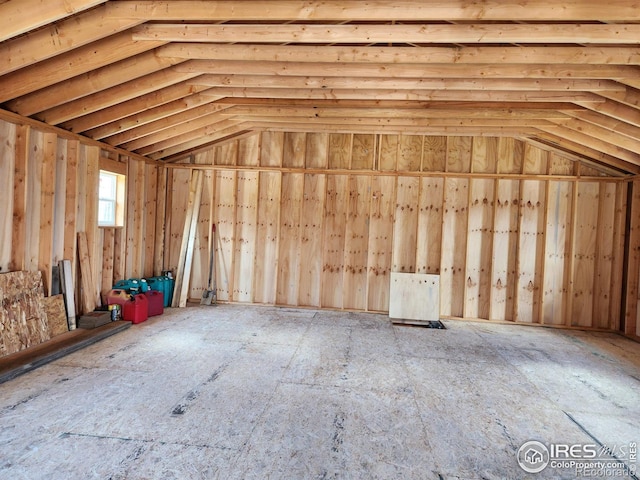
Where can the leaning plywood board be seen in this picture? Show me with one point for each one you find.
(86, 275)
(56, 315)
(414, 297)
(23, 319)
(7, 168)
(66, 281)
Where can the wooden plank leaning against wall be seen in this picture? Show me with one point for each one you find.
(517, 233)
(49, 193)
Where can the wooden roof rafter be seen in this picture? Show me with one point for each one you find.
(149, 75)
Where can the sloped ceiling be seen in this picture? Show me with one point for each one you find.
(166, 78)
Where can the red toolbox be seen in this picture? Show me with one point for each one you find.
(155, 299)
(136, 310)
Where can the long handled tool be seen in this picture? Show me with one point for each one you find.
(210, 296)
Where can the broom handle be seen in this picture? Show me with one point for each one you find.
(212, 254)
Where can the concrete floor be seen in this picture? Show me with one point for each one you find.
(233, 392)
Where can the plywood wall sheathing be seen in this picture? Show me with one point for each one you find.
(244, 254)
(479, 249)
(311, 227)
(505, 250)
(557, 251)
(225, 220)
(454, 246)
(354, 286)
(289, 248)
(383, 207)
(504, 247)
(335, 218)
(267, 234)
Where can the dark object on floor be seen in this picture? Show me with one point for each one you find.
(24, 361)
(437, 324)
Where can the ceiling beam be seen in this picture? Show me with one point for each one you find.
(112, 96)
(322, 82)
(60, 37)
(608, 123)
(589, 152)
(198, 134)
(615, 110)
(153, 116)
(602, 134)
(378, 10)
(609, 34)
(110, 120)
(574, 157)
(77, 87)
(593, 143)
(396, 94)
(386, 112)
(164, 125)
(330, 127)
(427, 70)
(491, 124)
(175, 133)
(408, 55)
(20, 16)
(116, 48)
(178, 152)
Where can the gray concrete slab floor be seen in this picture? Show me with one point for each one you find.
(251, 392)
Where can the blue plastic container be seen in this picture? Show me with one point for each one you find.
(132, 285)
(161, 284)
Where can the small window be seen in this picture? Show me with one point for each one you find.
(111, 200)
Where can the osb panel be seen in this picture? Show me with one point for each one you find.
(23, 319)
(56, 315)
